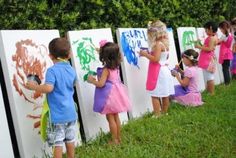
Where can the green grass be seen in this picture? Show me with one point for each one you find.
(203, 132)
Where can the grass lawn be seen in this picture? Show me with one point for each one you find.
(203, 132)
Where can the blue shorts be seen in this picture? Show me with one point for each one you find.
(61, 133)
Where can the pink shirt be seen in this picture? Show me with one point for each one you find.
(225, 51)
(191, 73)
(205, 56)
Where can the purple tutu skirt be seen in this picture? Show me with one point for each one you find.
(180, 90)
(101, 94)
(185, 97)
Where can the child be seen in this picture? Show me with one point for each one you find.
(111, 97)
(233, 64)
(225, 49)
(207, 57)
(187, 92)
(159, 81)
(59, 87)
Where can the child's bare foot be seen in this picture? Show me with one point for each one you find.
(156, 115)
(114, 142)
(119, 140)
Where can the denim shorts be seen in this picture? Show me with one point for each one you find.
(61, 133)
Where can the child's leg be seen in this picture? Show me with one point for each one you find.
(70, 150)
(57, 153)
(156, 106)
(211, 87)
(225, 69)
(112, 127)
(234, 76)
(118, 125)
(165, 104)
(209, 79)
(70, 137)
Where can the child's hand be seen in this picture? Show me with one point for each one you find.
(31, 85)
(91, 79)
(174, 73)
(177, 68)
(198, 46)
(143, 53)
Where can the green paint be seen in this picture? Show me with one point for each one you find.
(188, 40)
(85, 53)
(89, 73)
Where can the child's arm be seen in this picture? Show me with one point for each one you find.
(101, 81)
(223, 38)
(211, 46)
(234, 48)
(45, 88)
(183, 82)
(155, 57)
(177, 67)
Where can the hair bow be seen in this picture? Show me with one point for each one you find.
(102, 43)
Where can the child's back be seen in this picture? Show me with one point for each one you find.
(187, 92)
(111, 96)
(59, 83)
(192, 96)
(62, 108)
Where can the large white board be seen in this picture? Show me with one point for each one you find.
(173, 59)
(201, 34)
(186, 36)
(85, 59)
(217, 53)
(25, 52)
(134, 68)
(5, 139)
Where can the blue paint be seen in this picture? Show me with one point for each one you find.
(130, 41)
(138, 34)
(128, 52)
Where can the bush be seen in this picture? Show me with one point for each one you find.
(88, 14)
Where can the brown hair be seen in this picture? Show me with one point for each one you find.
(59, 48)
(110, 55)
(225, 25)
(192, 55)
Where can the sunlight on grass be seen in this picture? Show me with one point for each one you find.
(207, 131)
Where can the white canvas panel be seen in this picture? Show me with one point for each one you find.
(217, 53)
(25, 52)
(5, 139)
(173, 59)
(187, 36)
(134, 68)
(85, 59)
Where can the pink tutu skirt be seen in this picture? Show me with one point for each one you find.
(117, 101)
(190, 99)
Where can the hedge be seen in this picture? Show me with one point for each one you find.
(88, 14)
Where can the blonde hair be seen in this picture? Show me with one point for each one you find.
(157, 31)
